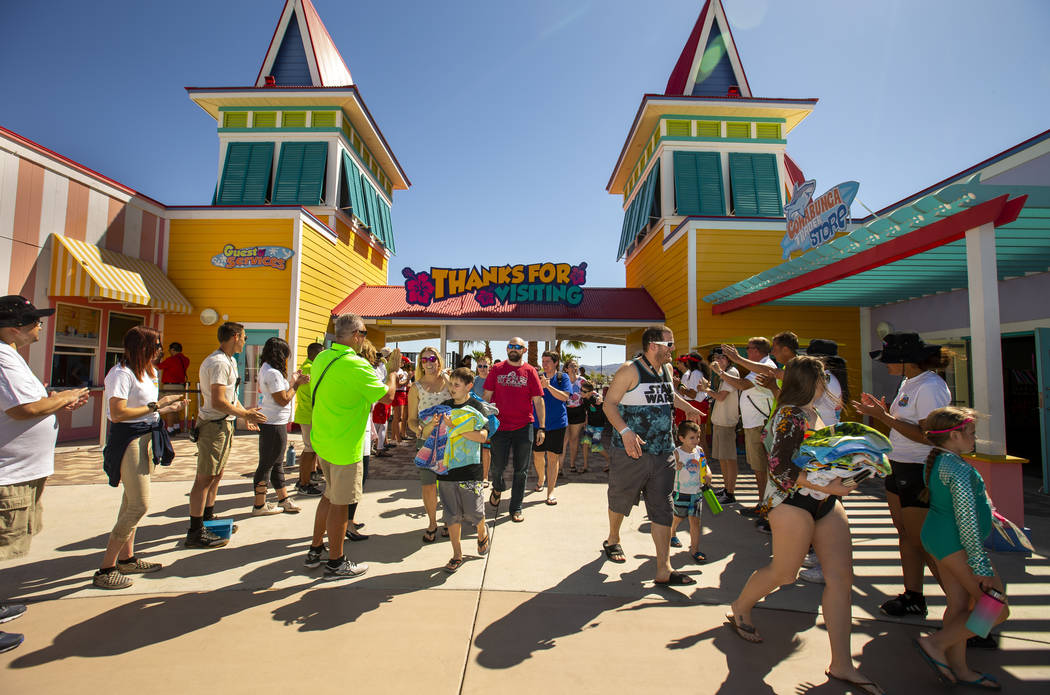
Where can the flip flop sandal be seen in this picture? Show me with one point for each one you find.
(538, 488)
(517, 517)
(986, 678)
(614, 552)
(444, 531)
(937, 666)
(483, 545)
(551, 501)
(572, 469)
(582, 470)
(867, 686)
(675, 543)
(699, 557)
(605, 469)
(676, 579)
(494, 499)
(454, 564)
(429, 536)
(744, 631)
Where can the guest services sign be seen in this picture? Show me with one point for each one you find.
(815, 221)
(275, 257)
(542, 283)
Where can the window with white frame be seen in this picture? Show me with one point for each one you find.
(75, 356)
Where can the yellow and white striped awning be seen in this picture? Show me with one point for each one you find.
(79, 269)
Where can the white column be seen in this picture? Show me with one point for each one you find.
(444, 342)
(865, 348)
(985, 332)
(666, 165)
(691, 284)
(331, 193)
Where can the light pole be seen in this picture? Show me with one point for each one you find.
(601, 361)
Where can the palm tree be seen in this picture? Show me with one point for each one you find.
(570, 344)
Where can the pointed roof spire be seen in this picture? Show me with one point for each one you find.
(709, 64)
(301, 52)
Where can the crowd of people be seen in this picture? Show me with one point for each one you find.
(673, 424)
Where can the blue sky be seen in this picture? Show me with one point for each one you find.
(508, 117)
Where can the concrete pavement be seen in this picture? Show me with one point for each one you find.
(543, 610)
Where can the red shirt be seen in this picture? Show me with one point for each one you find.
(173, 369)
(513, 389)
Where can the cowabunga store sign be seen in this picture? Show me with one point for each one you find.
(811, 221)
(275, 257)
(536, 283)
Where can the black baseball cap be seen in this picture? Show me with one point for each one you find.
(17, 311)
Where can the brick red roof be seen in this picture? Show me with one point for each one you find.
(599, 304)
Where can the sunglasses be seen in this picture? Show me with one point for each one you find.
(514, 346)
(429, 358)
(665, 343)
(483, 366)
(361, 332)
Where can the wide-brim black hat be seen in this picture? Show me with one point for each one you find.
(17, 311)
(821, 347)
(904, 347)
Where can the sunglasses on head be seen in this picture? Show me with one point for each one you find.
(429, 358)
(515, 346)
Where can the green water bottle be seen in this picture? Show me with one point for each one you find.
(712, 500)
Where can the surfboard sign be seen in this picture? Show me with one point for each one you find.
(811, 221)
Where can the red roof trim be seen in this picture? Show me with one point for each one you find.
(77, 165)
(998, 211)
(632, 304)
(680, 73)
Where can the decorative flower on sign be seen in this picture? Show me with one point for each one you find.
(578, 274)
(419, 287)
(485, 297)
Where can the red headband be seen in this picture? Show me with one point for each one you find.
(964, 423)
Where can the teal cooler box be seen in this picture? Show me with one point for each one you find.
(223, 528)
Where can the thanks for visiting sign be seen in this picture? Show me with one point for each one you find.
(815, 221)
(536, 283)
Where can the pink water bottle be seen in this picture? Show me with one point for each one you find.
(988, 609)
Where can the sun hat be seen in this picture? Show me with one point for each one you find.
(904, 347)
(821, 347)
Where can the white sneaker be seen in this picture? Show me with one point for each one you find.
(811, 561)
(289, 507)
(266, 510)
(813, 575)
(345, 571)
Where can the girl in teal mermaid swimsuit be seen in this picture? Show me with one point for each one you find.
(959, 520)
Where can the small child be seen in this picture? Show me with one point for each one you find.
(591, 438)
(959, 520)
(460, 488)
(691, 474)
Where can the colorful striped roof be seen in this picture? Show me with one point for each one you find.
(710, 26)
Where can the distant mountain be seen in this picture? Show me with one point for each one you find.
(607, 369)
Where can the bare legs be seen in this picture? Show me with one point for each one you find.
(661, 539)
(908, 522)
(729, 472)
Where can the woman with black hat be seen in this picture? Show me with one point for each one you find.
(921, 391)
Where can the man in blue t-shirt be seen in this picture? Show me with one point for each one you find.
(546, 453)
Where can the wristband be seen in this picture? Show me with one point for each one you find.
(625, 429)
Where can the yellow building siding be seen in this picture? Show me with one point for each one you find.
(664, 274)
(329, 273)
(723, 258)
(244, 295)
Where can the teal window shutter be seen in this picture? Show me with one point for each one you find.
(300, 173)
(698, 183)
(755, 185)
(353, 182)
(372, 216)
(388, 225)
(246, 174)
(637, 217)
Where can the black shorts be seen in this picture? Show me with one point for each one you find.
(907, 482)
(577, 415)
(553, 441)
(818, 509)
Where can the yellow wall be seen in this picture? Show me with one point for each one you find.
(329, 273)
(245, 295)
(664, 275)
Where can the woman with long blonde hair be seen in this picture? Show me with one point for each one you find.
(429, 389)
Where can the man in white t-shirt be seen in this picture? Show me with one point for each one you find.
(756, 405)
(28, 432)
(725, 415)
(219, 410)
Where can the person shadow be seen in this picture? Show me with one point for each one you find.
(536, 624)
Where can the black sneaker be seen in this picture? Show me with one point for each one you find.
(203, 538)
(908, 603)
(725, 497)
(311, 489)
(345, 570)
(314, 558)
(10, 640)
(10, 611)
(317, 477)
(750, 511)
(352, 535)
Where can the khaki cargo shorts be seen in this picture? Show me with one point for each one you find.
(757, 457)
(21, 517)
(343, 484)
(213, 446)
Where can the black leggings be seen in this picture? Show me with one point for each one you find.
(273, 441)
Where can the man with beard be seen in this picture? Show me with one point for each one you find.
(639, 406)
(514, 387)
